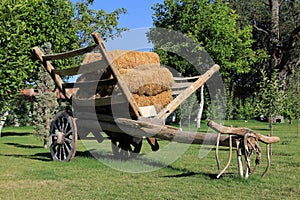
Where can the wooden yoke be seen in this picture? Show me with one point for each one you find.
(117, 75)
(242, 132)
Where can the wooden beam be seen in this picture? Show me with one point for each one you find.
(140, 129)
(122, 84)
(86, 68)
(69, 54)
(164, 113)
(102, 101)
(242, 132)
(56, 78)
(185, 78)
(88, 84)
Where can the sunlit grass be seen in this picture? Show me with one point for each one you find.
(27, 171)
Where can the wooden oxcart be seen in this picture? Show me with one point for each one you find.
(126, 133)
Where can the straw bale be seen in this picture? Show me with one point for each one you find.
(159, 101)
(86, 93)
(148, 81)
(124, 59)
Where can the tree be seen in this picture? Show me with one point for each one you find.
(276, 30)
(213, 25)
(27, 23)
(45, 104)
(270, 98)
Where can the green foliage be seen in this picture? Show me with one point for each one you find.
(213, 25)
(244, 109)
(88, 20)
(292, 103)
(23, 25)
(21, 110)
(270, 97)
(28, 23)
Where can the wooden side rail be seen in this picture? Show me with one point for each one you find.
(81, 69)
(101, 101)
(164, 113)
(177, 79)
(50, 69)
(69, 54)
(88, 84)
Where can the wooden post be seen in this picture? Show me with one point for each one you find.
(118, 76)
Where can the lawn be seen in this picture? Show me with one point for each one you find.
(27, 171)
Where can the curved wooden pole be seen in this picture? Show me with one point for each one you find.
(229, 159)
(258, 157)
(248, 153)
(239, 157)
(269, 161)
(217, 151)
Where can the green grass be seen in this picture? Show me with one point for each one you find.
(27, 171)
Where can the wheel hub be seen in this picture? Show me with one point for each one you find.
(60, 137)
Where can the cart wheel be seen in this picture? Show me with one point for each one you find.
(63, 137)
(126, 147)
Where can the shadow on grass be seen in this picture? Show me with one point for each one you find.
(44, 156)
(38, 156)
(105, 155)
(187, 173)
(25, 146)
(6, 134)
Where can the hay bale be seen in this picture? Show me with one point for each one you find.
(148, 81)
(159, 101)
(126, 59)
(87, 93)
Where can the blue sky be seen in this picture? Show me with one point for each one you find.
(138, 19)
(139, 12)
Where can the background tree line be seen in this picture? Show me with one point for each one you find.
(256, 44)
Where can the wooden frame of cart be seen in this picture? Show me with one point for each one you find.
(127, 133)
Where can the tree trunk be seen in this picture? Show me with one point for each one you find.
(201, 105)
(274, 37)
(2, 120)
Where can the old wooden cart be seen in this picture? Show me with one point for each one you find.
(126, 133)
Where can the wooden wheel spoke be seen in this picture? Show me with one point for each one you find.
(63, 137)
(125, 148)
(68, 141)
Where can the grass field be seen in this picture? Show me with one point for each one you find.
(27, 171)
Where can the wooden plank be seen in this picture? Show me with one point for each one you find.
(87, 68)
(56, 78)
(164, 113)
(102, 101)
(185, 78)
(181, 85)
(177, 92)
(69, 54)
(117, 75)
(88, 84)
(139, 129)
